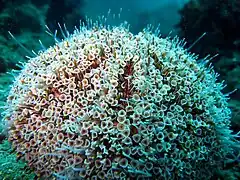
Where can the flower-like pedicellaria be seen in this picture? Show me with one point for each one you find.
(107, 104)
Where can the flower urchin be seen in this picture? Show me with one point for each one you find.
(107, 104)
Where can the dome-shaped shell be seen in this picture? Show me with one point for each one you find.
(107, 104)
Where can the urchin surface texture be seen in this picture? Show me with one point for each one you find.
(107, 104)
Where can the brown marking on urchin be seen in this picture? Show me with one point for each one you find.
(22, 81)
(19, 156)
(133, 130)
(158, 64)
(56, 93)
(128, 72)
(164, 54)
(67, 44)
(10, 97)
(24, 106)
(166, 71)
(95, 63)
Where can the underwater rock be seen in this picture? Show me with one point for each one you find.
(220, 19)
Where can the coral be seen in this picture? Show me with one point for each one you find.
(107, 104)
(10, 167)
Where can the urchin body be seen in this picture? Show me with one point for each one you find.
(107, 104)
